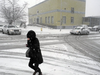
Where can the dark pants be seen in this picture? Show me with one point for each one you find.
(35, 66)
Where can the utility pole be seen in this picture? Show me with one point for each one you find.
(61, 16)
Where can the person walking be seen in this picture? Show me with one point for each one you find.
(35, 52)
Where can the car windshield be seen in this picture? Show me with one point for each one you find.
(12, 27)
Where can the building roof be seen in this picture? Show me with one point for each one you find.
(39, 3)
(93, 17)
(48, 0)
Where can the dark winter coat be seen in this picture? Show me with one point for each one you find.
(34, 46)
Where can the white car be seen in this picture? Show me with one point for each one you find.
(11, 29)
(79, 30)
(96, 28)
(1, 26)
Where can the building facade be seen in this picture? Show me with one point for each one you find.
(58, 13)
(91, 21)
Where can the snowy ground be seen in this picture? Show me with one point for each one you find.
(45, 30)
(59, 59)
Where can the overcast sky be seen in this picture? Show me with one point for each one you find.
(92, 6)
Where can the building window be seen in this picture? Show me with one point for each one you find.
(45, 19)
(72, 19)
(37, 11)
(30, 21)
(52, 19)
(64, 8)
(40, 19)
(34, 20)
(64, 20)
(48, 20)
(86, 19)
(72, 10)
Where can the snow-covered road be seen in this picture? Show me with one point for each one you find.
(59, 58)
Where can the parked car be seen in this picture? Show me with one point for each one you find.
(96, 28)
(11, 29)
(79, 30)
(90, 28)
(1, 26)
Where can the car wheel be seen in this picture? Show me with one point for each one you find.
(2, 31)
(99, 31)
(87, 33)
(19, 33)
(70, 33)
(79, 33)
(8, 33)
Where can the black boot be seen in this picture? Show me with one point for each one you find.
(40, 73)
(34, 73)
(37, 71)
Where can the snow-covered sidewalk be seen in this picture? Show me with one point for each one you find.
(45, 30)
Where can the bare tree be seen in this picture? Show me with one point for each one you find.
(12, 11)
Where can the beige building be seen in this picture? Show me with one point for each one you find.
(58, 13)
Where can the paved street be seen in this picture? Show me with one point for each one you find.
(89, 45)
